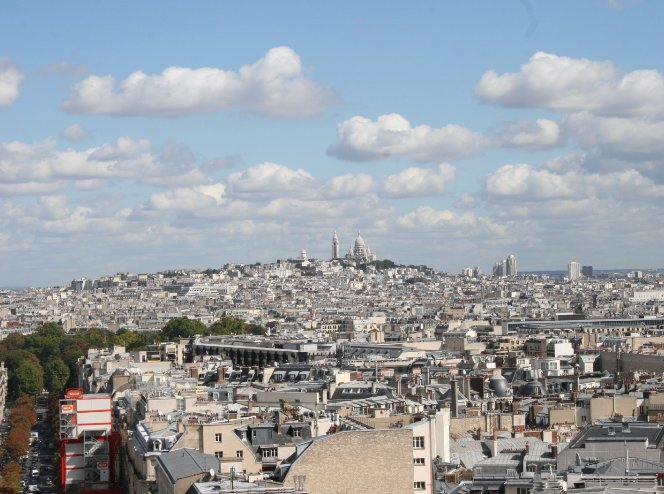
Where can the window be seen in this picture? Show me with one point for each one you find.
(418, 461)
(418, 442)
(297, 433)
(239, 454)
(254, 433)
(217, 437)
(522, 490)
(269, 453)
(419, 486)
(243, 435)
(219, 454)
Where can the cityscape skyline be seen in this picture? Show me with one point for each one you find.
(450, 135)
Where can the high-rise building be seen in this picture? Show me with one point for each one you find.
(587, 271)
(511, 265)
(335, 246)
(505, 267)
(573, 271)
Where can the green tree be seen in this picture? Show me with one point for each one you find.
(14, 341)
(99, 338)
(28, 378)
(181, 327)
(138, 340)
(228, 325)
(50, 330)
(45, 341)
(14, 358)
(56, 375)
(72, 348)
(256, 329)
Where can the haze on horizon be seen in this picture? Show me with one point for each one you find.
(142, 137)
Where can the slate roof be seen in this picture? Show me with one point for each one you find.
(184, 463)
(616, 467)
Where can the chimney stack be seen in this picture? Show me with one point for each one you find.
(454, 407)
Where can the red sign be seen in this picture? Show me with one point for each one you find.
(102, 464)
(67, 408)
(74, 393)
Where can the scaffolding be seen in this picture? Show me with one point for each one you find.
(68, 419)
(96, 456)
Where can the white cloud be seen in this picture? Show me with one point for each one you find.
(575, 84)
(349, 185)
(27, 168)
(527, 181)
(75, 132)
(419, 182)
(190, 199)
(628, 139)
(270, 178)
(10, 81)
(274, 86)
(530, 134)
(29, 188)
(528, 184)
(458, 225)
(392, 136)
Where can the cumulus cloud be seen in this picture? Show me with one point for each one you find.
(464, 224)
(419, 182)
(526, 183)
(575, 84)
(190, 199)
(274, 86)
(74, 132)
(349, 185)
(392, 136)
(627, 139)
(526, 180)
(35, 168)
(270, 178)
(10, 81)
(530, 134)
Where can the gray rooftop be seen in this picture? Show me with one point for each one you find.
(184, 463)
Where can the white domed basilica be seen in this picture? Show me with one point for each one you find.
(359, 251)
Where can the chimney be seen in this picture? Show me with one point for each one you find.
(221, 373)
(454, 407)
(466, 386)
(493, 445)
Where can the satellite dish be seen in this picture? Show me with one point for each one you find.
(211, 473)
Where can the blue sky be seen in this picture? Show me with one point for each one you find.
(141, 136)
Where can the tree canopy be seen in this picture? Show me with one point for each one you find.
(181, 327)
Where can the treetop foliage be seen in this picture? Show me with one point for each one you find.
(46, 359)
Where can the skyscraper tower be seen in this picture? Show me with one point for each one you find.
(511, 265)
(335, 246)
(573, 271)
